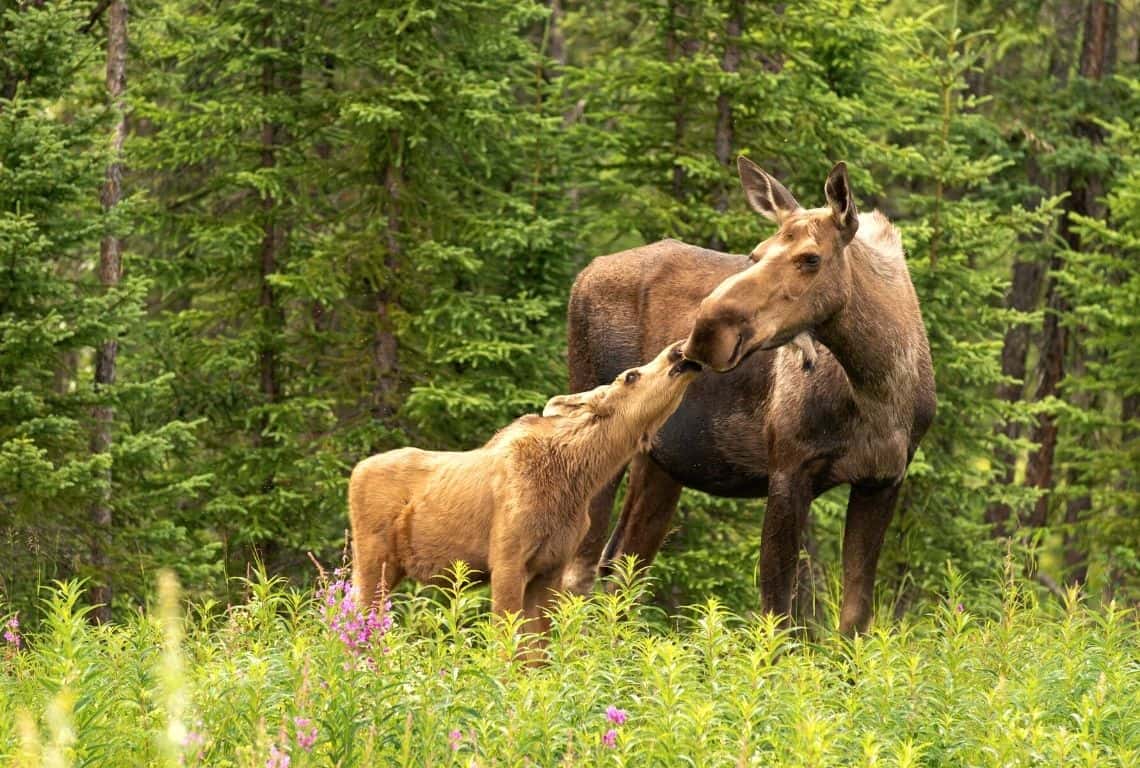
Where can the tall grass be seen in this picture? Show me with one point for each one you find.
(1005, 681)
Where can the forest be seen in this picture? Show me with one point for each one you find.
(246, 244)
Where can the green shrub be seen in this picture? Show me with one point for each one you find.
(1010, 680)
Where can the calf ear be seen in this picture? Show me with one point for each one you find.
(766, 195)
(837, 188)
(562, 405)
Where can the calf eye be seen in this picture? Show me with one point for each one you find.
(631, 377)
(809, 261)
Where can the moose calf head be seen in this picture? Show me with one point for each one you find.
(799, 277)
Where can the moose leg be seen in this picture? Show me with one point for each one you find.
(374, 566)
(789, 498)
(508, 585)
(650, 502)
(869, 513)
(539, 599)
(579, 576)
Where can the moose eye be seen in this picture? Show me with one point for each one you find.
(809, 261)
(631, 377)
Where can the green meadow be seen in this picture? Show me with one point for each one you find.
(1015, 680)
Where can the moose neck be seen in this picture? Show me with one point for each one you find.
(873, 337)
(607, 445)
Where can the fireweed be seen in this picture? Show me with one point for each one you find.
(12, 631)
(1015, 676)
(357, 628)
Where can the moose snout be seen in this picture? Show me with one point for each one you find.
(715, 343)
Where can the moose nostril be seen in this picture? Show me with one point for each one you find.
(675, 354)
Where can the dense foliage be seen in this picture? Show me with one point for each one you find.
(274, 683)
(350, 227)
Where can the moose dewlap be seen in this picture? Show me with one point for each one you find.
(516, 508)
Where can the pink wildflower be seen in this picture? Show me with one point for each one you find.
(454, 738)
(277, 758)
(306, 735)
(12, 631)
(357, 628)
(193, 739)
(610, 738)
(615, 715)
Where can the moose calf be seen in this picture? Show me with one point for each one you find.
(515, 509)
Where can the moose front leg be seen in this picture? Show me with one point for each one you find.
(508, 585)
(789, 498)
(580, 574)
(869, 513)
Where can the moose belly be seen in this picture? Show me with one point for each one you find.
(713, 442)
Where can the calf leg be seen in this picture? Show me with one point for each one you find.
(580, 574)
(650, 503)
(538, 601)
(868, 515)
(508, 586)
(375, 567)
(789, 498)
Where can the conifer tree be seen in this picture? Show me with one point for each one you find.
(55, 313)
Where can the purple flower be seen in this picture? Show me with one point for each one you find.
(277, 758)
(616, 716)
(12, 631)
(454, 738)
(961, 607)
(193, 739)
(610, 738)
(357, 628)
(306, 735)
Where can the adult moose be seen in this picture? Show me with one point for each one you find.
(766, 426)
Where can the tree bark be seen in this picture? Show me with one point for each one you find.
(725, 130)
(271, 244)
(1098, 51)
(385, 352)
(110, 273)
(673, 52)
(1023, 297)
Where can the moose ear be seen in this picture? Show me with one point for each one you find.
(837, 189)
(562, 405)
(766, 195)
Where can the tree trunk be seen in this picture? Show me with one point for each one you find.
(673, 52)
(1022, 297)
(384, 347)
(556, 46)
(110, 273)
(271, 316)
(1098, 51)
(725, 130)
(271, 244)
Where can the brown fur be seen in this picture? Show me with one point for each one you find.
(767, 426)
(514, 509)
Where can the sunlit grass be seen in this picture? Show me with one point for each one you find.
(1008, 681)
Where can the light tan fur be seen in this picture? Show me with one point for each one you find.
(516, 508)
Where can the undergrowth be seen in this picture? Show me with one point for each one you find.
(292, 678)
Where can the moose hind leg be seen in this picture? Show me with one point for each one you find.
(580, 573)
(375, 568)
(650, 502)
(869, 513)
